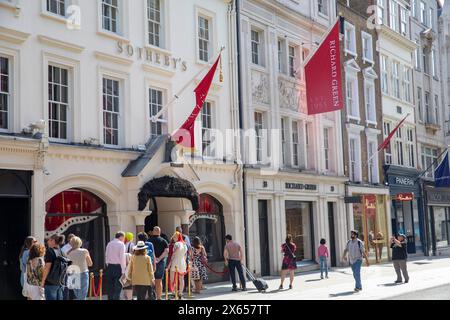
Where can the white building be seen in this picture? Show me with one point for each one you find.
(305, 197)
(96, 85)
(401, 156)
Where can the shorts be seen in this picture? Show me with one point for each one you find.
(160, 269)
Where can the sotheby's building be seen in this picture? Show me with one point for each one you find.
(96, 72)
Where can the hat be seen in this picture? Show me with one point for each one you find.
(129, 236)
(402, 235)
(140, 246)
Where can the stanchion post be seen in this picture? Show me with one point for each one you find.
(91, 279)
(176, 283)
(189, 280)
(167, 284)
(101, 284)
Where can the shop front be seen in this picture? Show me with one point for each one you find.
(438, 206)
(406, 206)
(370, 219)
(307, 207)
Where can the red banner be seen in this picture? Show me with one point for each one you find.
(184, 136)
(323, 76)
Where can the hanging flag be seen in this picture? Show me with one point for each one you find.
(184, 135)
(323, 75)
(442, 174)
(385, 143)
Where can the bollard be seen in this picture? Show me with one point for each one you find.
(189, 280)
(91, 280)
(176, 283)
(101, 284)
(167, 284)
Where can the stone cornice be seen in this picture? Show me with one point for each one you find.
(68, 152)
(60, 44)
(112, 58)
(13, 36)
(397, 37)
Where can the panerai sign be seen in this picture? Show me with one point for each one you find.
(152, 56)
(404, 181)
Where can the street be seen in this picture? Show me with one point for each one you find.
(429, 279)
(436, 293)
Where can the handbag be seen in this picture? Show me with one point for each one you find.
(292, 254)
(25, 289)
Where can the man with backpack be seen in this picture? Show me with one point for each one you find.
(356, 252)
(53, 279)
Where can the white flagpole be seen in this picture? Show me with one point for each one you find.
(178, 94)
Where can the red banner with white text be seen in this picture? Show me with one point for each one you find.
(323, 76)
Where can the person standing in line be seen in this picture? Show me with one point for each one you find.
(142, 236)
(53, 287)
(232, 254)
(127, 288)
(289, 261)
(356, 253)
(23, 257)
(199, 259)
(178, 263)
(399, 257)
(35, 271)
(115, 265)
(140, 272)
(185, 236)
(66, 248)
(161, 250)
(129, 245)
(81, 260)
(323, 254)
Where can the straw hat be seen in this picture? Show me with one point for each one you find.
(140, 246)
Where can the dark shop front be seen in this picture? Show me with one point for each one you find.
(407, 214)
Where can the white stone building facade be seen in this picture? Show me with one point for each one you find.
(96, 83)
(305, 197)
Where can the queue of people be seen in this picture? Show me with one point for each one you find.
(144, 269)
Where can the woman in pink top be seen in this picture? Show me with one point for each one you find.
(323, 255)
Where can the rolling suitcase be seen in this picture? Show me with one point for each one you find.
(260, 284)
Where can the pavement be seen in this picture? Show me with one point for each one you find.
(429, 276)
(437, 293)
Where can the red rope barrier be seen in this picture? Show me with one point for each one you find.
(225, 270)
(96, 293)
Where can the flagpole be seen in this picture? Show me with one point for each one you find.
(378, 151)
(321, 40)
(432, 164)
(177, 95)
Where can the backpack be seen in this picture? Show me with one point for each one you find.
(359, 244)
(57, 274)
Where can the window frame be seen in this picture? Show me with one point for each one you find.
(162, 120)
(326, 148)
(355, 174)
(122, 98)
(57, 14)
(381, 10)
(161, 24)
(295, 143)
(352, 30)
(118, 9)
(406, 83)
(352, 78)
(420, 103)
(258, 44)
(324, 5)
(259, 136)
(369, 95)
(68, 104)
(388, 157)
(395, 77)
(9, 94)
(368, 37)
(200, 39)
(393, 15)
(292, 61)
(384, 68)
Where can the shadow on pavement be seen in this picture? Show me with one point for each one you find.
(342, 294)
(390, 284)
(313, 280)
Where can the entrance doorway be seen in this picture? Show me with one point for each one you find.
(15, 196)
(332, 240)
(264, 237)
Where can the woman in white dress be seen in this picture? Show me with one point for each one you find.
(178, 262)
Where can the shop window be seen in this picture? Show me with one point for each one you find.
(83, 214)
(441, 227)
(208, 224)
(299, 222)
(369, 219)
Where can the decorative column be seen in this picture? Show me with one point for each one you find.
(184, 217)
(139, 220)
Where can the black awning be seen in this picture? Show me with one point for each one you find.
(168, 187)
